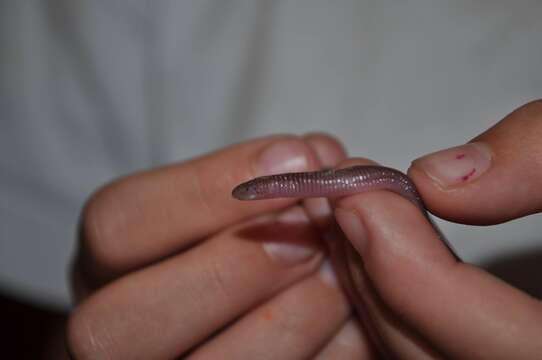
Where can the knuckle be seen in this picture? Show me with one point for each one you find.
(529, 114)
(101, 225)
(82, 340)
(218, 280)
(205, 195)
(534, 105)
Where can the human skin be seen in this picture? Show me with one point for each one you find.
(170, 265)
(156, 279)
(334, 183)
(415, 300)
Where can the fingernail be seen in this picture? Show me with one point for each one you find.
(281, 157)
(291, 252)
(457, 165)
(353, 228)
(294, 215)
(318, 210)
(288, 253)
(328, 149)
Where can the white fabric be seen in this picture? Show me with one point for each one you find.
(90, 90)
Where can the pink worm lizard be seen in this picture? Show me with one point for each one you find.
(333, 183)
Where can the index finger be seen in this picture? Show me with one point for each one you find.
(149, 215)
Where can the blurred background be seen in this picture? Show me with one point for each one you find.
(91, 90)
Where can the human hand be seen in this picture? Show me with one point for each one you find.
(414, 298)
(169, 264)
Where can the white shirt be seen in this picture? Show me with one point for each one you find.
(91, 90)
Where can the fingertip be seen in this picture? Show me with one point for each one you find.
(444, 204)
(504, 191)
(355, 161)
(493, 178)
(328, 152)
(328, 149)
(451, 181)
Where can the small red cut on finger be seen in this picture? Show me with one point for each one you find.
(492, 179)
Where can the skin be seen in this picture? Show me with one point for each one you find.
(333, 184)
(163, 257)
(416, 300)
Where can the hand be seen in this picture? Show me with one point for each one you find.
(169, 264)
(415, 299)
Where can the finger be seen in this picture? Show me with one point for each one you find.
(293, 325)
(146, 216)
(173, 305)
(389, 335)
(319, 209)
(329, 151)
(329, 154)
(460, 310)
(320, 212)
(494, 178)
(350, 342)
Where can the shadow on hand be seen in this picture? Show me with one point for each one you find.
(521, 270)
(278, 231)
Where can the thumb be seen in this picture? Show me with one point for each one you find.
(494, 178)
(459, 310)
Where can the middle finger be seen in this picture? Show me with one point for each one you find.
(177, 303)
